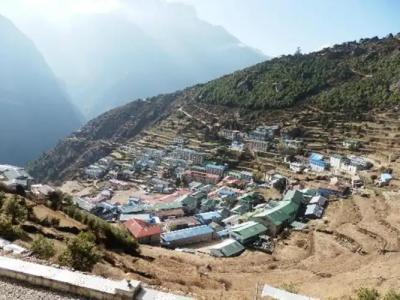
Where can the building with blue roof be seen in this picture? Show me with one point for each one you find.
(187, 236)
(317, 162)
(209, 217)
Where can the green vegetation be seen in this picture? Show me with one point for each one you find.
(367, 294)
(373, 294)
(81, 252)
(352, 78)
(15, 209)
(290, 287)
(392, 295)
(13, 212)
(43, 248)
(112, 236)
(56, 199)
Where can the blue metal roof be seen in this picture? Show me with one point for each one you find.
(186, 233)
(316, 156)
(320, 163)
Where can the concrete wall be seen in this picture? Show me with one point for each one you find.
(65, 287)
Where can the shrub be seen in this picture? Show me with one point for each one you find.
(8, 230)
(290, 287)
(367, 294)
(392, 295)
(16, 210)
(81, 252)
(55, 200)
(112, 236)
(43, 248)
(2, 198)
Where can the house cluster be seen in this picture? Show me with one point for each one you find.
(335, 163)
(226, 215)
(17, 179)
(226, 218)
(207, 205)
(13, 177)
(100, 168)
(261, 139)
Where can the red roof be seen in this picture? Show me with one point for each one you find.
(140, 229)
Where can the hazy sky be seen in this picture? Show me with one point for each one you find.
(274, 26)
(280, 26)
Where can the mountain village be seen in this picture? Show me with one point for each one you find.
(180, 198)
(174, 195)
(230, 193)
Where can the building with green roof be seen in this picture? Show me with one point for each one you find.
(294, 196)
(167, 206)
(227, 248)
(276, 217)
(247, 232)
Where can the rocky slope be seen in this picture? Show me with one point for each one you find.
(34, 110)
(348, 79)
(97, 138)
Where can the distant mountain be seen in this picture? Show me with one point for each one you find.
(109, 60)
(350, 80)
(34, 109)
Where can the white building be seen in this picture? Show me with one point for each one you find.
(296, 167)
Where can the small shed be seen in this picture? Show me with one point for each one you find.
(321, 201)
(227, 248)
(314, 211)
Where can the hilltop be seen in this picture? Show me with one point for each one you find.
(346, 82)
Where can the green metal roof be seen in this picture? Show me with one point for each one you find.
(294, 195)
(229, 247)
(249, 229)
(286, 210)
(167, 206)
(276, 217)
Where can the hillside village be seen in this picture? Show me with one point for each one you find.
(298, 199)
(176, 192)
(177, 196)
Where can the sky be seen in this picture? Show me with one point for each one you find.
(278, 27)
(275, 27)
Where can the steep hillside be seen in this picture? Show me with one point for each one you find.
(34, 109)
(349, 80)
(100, 136)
